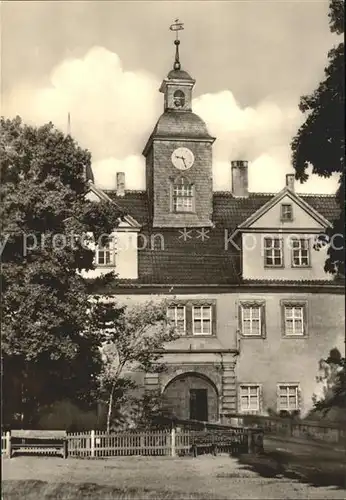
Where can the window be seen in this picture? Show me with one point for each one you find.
(294, 319)
(183, 196)
(252, 319)
(273, 256)
(179, 99)
(105, 253)
(177, 315)
(300, 252)
(286, 212)
(249, 398)
(201, 320)
(288, 397)
(193, 317)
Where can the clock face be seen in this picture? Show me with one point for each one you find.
(182, 158)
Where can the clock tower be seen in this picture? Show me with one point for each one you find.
(179, 157)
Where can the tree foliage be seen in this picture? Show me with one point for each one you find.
(133, 340)
(320, 141)
(45, 219)
(332, 376)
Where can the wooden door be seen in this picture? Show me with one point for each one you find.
(199, 404)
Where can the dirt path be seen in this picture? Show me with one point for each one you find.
(220, 476)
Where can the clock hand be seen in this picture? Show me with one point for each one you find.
(184, 161)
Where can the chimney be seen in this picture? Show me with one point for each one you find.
(120, 183)
(290, 181)
(240, 179)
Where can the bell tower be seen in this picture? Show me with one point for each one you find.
(177, 87)
(179, 156)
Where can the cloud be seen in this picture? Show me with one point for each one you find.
(113, 112)
(133, 166)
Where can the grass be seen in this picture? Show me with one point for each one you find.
(167, 478)
(35, 490)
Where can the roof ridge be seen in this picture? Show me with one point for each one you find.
(321, 195)
(251, 193)
(135, 191)
(224, 192)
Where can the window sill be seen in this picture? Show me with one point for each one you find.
(199, 336)
(180, 213)
(244, 336)
(288, 410)
(268, 266)
(301, 267)
(303, 336)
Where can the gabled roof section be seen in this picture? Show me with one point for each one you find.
(228, 211)
(304, 205)
(104, 197)
(196, 261)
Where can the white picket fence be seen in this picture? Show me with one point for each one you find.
(5, 443)
(99, 444)
(153, 443)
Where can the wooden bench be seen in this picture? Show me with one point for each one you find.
(38, 442)
(233, 442)
(214, 442)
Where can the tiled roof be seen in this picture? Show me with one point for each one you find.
(197, 260)
(134, 203)
(180, 124)
(335, 281)
(228, 211)
(189, 259)
(326, 205)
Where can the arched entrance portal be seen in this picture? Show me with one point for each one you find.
(192, 396)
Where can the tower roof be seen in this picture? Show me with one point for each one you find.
(176, 124)
(184, 124)
(179, 74)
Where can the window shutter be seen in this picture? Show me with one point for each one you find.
(283, 325)
(299, 398)
(213, 319)
(305, 320)
(238, 409)
(260, 397)
(240, 324)
(263, 320)
(188, 312)
(278, 398)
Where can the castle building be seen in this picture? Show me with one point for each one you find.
(248, 293)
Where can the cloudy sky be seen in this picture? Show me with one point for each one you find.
(104, 61)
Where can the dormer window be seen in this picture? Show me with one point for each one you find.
(273, 252)
(300, 252)
(286, 212)
(105, 253)
(179, 99)
(183, 195)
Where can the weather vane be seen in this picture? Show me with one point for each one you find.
(176, 26)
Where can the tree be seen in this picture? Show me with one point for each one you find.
(45, 221)
(333, 379)
(133, 339)
(320, 141)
